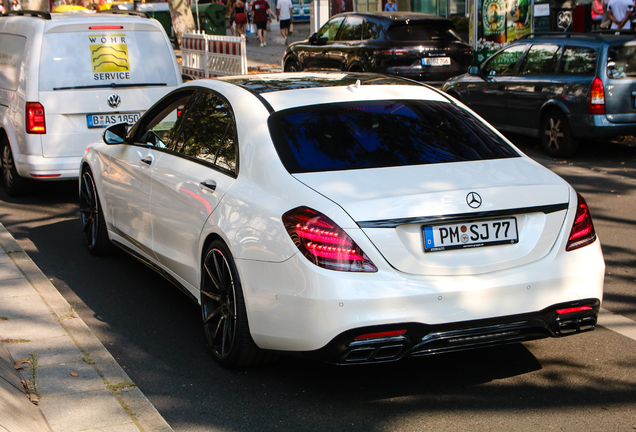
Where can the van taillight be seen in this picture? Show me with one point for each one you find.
(35, 123)
(582, 233)
(597, 97)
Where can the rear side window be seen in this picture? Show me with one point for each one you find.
(91, 58)
(578, 61)
(621, 61)
(540, 60)
(377, 134)
(422, 32)
(11, 55)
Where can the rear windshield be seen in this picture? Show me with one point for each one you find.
(422, 32)
(95, 58)
(378, 134)
(621, 61)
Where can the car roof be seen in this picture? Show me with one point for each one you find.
(266, 83)
(590, 38)
(391, 17)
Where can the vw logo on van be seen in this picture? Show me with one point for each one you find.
(473, 200)
(114, 101)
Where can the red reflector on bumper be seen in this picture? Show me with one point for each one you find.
(45, 175)
(574, 309)
(381, 334)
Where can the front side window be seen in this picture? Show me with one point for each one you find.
(578, 61)
(208, 133)
(362, 134)
(351, 30)
(330, 30)
(505, 62)
(621, 61)
(158, 128)
(541, 60)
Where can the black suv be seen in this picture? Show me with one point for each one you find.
(558, 87)
(413, 45)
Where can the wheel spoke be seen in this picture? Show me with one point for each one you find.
(216, 330)
(215, 297)
(213, 278)
(212, 315)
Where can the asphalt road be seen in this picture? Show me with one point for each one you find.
(583, 382)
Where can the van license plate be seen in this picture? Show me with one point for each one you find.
(105, 120)
(439, 238)
(436, 61)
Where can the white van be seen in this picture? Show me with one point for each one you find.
(64, 77)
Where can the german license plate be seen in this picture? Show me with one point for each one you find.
(470, 235)
(436, 61)
(105, 120)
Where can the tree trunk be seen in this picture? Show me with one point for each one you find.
(181, 16)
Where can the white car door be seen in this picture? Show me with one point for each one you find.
(189, 181)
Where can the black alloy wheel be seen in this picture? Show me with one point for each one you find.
(556, 137)
(92, 217)
(224, 314)
(11, 180)
(292, 66)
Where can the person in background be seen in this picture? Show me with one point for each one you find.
(240, 18)
(390, 6)
(597, 12)
(16, 6)
(261, 16)
(285, 17)
(1, 6)
(620, 12)
(231, 13)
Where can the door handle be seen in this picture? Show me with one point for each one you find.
(146, 160)
(209, 185)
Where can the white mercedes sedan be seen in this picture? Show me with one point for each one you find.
(350, 218)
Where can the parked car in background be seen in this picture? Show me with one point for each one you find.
(66, 76)
(350, 218)
(561, 88)
(413, 45)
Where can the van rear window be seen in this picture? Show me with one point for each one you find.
(11, 54)
(378, 134)
(97, 58)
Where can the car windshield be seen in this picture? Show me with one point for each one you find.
(621, 61)
(422, 32)
(377, 134)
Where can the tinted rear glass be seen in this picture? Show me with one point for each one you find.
(379, 134)
(92, 58)
(621, 61)
(422, 32)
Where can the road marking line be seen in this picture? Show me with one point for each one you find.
(617, 323)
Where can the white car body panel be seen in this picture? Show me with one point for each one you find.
(164, 216)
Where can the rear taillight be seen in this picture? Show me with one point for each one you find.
(324, 243)
(582, 233)
(381, 335)
(597, 97)
(394, 51)
(35, 123)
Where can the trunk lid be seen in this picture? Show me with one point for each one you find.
(393, 205)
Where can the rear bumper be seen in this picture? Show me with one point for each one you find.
(421, 339)
(598, 126)
(41, 168)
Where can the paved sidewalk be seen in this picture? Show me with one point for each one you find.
(81, 386)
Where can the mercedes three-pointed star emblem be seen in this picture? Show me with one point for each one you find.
(473, 200)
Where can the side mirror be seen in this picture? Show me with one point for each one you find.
(474, 70)
(313, 39)
(116, 134)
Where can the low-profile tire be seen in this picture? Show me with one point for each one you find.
(292, 66)
(556, 136)
(92, 217)
(13, 184)
(224, 314)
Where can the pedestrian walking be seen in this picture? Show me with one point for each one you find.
(16, 6)
(240, 18)
(231, 5)
(260, 17)
(285, 17)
